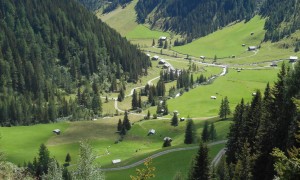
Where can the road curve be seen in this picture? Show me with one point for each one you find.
(160, 154)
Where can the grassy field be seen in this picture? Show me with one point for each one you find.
(122, 20)
(21, 143)
(235, 85)
(166, 165)
(228, 41)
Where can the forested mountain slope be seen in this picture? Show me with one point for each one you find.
(107, 6)
(92, 5)
(194, 18)
(48, 50)
(283, 18)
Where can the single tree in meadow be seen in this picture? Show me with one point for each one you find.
(174, 120)
(126, 122)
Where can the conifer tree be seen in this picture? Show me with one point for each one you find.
(126, 122)
(134, 102)
(205, 132)
(174, 120)
(212, 132)
(200, 167)
(120, 125)
(68, 158)
(190, 132)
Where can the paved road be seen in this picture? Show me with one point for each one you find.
(163, 153)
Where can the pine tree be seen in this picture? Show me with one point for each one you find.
(120, 126)
(200, 167)
(134, 102)
(174, 120)
(190, 132)
(126, 122)
(212, 132)
(205, 133)
(226, 107)
(221, 111)
(68, 158)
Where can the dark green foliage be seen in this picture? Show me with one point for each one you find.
(283, 18)
(205, 133)
(114, 4)
(190, 132)
(126, 122)
(194, 18)
(51, 48)
(268, 122)
(160, 88)
(224, 108)
(174, 120)
(120, 125)
(134, 101)
(200, 167)
(167, 142)
(39, 166)
(92, 5)
(97, 104)
(68, 158)
(212, 132)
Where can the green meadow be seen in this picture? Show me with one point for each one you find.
(235, 85)
(166, 165)
(227, 41)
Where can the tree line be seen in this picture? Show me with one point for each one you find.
(270, 120)
(194, 18)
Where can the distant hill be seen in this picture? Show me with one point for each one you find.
(92, 5)
(197, 18)
(51, 50)
(193, 18)
(107, 5)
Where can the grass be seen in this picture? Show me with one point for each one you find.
(235, 85)
(21, 143)
(228, 41)
(143, 32)
(122, 20)
(166, 165)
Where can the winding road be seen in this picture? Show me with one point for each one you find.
(214, 161)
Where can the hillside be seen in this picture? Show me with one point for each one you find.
(193, 18)
(49, 50)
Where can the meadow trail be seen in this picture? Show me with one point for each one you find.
(214, 161)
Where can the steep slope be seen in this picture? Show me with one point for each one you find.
(194, 18)
(50, 48)
(283, 18)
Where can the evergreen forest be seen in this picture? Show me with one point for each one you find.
(55, 60)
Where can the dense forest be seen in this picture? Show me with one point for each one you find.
(194, 18)
(55, 60)
(107, 6)
(270, 120)
(283, 18)
(93, 5)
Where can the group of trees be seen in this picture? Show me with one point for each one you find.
(269, 121)
(46, 167)
(124, 126)
(283, 18)
(208, 132)
(224, 108)
(48, 49)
